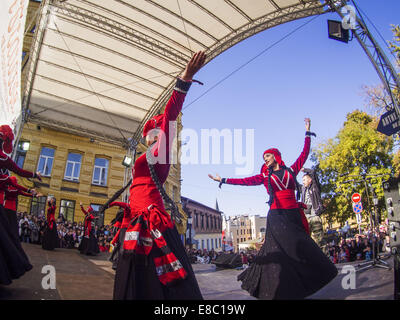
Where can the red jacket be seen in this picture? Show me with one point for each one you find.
(7, 163)
(5, 182)
(88, 220)
(11, 197)
(51, 219)
(143, 192)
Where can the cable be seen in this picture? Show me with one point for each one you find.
(249, 61)
(184, 26)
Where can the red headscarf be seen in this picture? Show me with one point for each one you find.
(153, 123)
(277, 155)
(7, 135)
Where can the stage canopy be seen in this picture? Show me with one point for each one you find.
(102, 68)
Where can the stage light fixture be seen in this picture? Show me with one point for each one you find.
(337, 32)
(127, 161)
(25, 145)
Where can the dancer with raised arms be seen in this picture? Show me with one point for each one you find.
(289, 265)
(154, 264)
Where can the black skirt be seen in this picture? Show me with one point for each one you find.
(136, 277)
(289, 265)
(13, 260)
(89, 246)
(50, 238)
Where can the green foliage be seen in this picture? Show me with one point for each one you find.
(357, 149)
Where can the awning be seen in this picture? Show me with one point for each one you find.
(103, 68)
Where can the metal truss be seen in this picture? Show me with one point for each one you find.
(273, 19)
(151, 45)
(381, 63)
(77, 130)
(297, 11)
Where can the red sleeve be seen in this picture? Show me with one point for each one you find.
(26, 194)
(162, 148)
(250, 181)
(83, 210)
(8, 163)
(20, 188)
(119, 204)
(301, 160)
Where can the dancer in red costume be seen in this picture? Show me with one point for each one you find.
(125, 211)
(88, 245)
(289, 265)
(13, 261)
(154, 264)
(50, 236)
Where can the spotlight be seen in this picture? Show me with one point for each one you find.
(337, 32)
(25, 145)
(127, 161)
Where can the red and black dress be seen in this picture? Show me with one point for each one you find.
(289, 265)
(13, 260)
(117, 223)
(50, 238)
(10, 207)
(154, 264)
(89, 244)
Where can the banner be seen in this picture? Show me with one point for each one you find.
(12, 26)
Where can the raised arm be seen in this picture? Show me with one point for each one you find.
(301, 160)
(174, 106)
(83, 209)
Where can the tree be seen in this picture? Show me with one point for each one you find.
(357, 149)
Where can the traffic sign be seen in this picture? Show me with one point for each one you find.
(356, 197)
(357, 207)
(389, 123)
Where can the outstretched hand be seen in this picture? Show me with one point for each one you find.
(216, 178)
(194, 65)
(308, 123)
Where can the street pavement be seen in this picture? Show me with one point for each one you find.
(80, 277)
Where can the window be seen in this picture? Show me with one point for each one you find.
(212, 243)
(38, 206)
(208, 244)
(220, 242)
(73, 167)
(96, 208)
(202, 221)
(46, 160)
(21, 154)
(196, 219)
(100, 172)
(67, 209)
(202, 244)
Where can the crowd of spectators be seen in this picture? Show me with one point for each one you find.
(355, 246)
(31, 230)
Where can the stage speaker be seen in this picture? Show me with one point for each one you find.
(228, 261)
(391, 189)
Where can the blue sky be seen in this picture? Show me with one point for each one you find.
(306, 75)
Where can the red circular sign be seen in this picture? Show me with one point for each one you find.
(356, 197)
